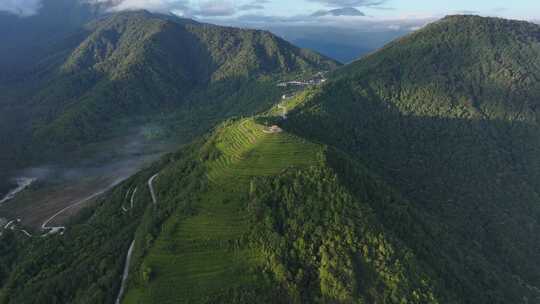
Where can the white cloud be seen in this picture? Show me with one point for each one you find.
(20, 7)
(351, 3)
(362, 23)
(216, 8)
(162, 6)
(254, 5)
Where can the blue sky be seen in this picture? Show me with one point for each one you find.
(517, 9)
(294, 12)
(350, 26)
(371, 14)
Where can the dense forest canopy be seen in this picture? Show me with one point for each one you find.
(410, 176)
(106, 76)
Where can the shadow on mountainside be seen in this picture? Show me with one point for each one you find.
(472, 184)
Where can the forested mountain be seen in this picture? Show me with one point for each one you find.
(101, 75)
(448, 117)
(151, 63)
(26, 39)
(411, 176)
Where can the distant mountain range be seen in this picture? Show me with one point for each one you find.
(346, 11)
(344, 45)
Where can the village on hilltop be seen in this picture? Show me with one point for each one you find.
(317, 79)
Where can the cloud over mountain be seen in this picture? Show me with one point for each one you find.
(254, 5)
(152, 5)
(215, 8)
(351, 3)
(346, 11)
(20, 7)
(204, 8)
(27, 8)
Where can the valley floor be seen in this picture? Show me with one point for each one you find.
(57, 193)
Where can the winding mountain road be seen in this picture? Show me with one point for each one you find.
(131, 201)
(125, 198)
(11, 225)
(55, 229)
(59, 229)
(151, 187)
(125, 275)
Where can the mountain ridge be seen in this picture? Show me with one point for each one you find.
(446, 118)
(152, 63)
(410, 176)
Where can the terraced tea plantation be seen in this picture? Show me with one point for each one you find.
(202, 257)
(295, 99)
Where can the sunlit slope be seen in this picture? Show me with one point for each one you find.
(201, 256)
(423, 188)
(248, 216)
(110, 75)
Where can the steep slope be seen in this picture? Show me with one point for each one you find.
(208, 244)
(30, 47)
(153, 63)
(477, 66)
(102, 79)
(448, 117)
(244, 216)
(276, 225)
(25, 40)
(382, 186)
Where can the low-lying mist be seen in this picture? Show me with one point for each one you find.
(109, 162)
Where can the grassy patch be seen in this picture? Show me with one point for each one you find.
(202, 257)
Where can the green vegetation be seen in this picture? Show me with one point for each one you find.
(85, 264)
(134, 68)
(10, 251)
(440, 118)
(157, 65)
(273, 224)
(411, 177)
(203, 253)
(325, 245)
